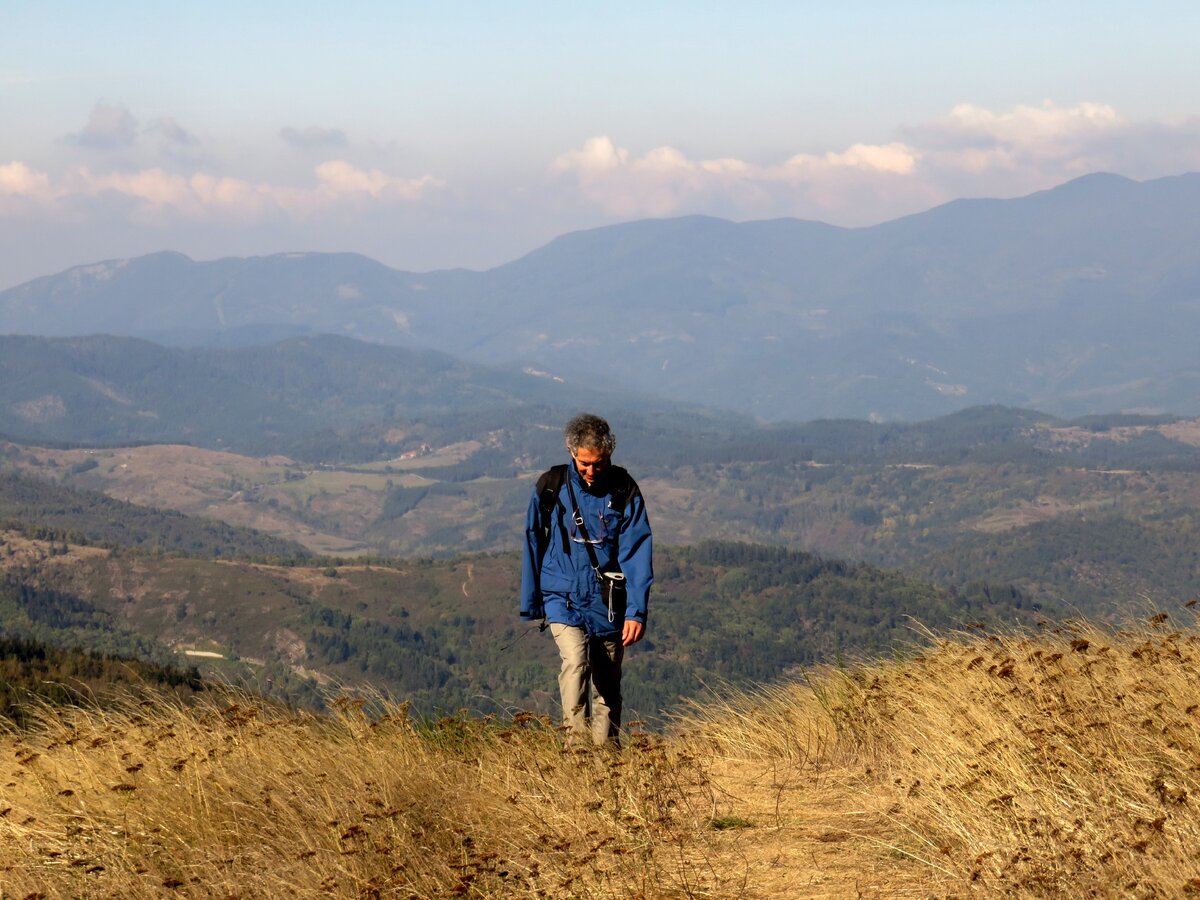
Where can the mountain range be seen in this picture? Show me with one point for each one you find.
(1080, 299)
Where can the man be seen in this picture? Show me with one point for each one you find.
(587, 571)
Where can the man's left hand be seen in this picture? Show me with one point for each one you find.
(633, 632)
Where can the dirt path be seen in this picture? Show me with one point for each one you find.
(791, 834)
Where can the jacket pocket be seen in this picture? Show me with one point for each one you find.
(555, 583)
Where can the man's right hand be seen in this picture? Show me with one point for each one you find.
(633, 632)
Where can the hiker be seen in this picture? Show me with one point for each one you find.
(587, 571)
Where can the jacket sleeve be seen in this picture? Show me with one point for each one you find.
(636, 557)
(531, 593)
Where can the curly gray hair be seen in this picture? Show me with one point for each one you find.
(591, 433)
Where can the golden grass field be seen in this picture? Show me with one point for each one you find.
(1052, 764)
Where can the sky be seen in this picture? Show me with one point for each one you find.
(464, 134)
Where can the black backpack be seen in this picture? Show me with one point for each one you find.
(620, 484)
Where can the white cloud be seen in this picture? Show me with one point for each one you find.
(108, 127)
(1033, 147)
(154, 187)
(970, 151)
(23, 189)
(338, 178)
(665, 181)
(171, 189)
(898, 159)
(1034, 127)
(597, 155)
(157, 192)
(1061, 141)
(18, 180)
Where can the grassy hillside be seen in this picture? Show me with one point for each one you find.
(1028, 765)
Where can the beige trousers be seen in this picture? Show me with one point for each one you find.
(589, 663)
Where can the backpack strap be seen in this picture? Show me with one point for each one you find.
(621, 488)
(548, 487)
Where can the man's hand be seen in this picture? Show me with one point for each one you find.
(633, 632)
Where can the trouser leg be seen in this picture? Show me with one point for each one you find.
(573, 677)
(606, 657)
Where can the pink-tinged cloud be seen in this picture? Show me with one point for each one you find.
(24, 190)
(1033, 147)
(158, 193)
(665, 181)
(338, 178)
(18, 180)
(1040, 128)
(970, 151)
(895, 159)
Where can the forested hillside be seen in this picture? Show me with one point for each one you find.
(89, 516)
(35, 674)
(445, 634)
(990, 494)
(319, 399)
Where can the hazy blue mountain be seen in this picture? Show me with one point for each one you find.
(1084, 298)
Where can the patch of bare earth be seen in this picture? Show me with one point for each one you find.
(18, 550)
(442, 456)
(287, 644)
(791, 834)
(173, 476)
(1073, 436)
(354, 509)
(1025, 513)
(195, 481)
(1185, 432)
(280, 524)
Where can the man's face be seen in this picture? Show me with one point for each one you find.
(590, 464)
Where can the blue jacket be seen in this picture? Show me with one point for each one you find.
(564, 587)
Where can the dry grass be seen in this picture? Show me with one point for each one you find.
(241, 800)
(1064, 763)
(1057, 764)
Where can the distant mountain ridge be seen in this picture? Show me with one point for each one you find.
(1080, 299)
(320, 397)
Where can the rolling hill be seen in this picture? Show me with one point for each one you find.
(320, 398)
(1080, 299)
